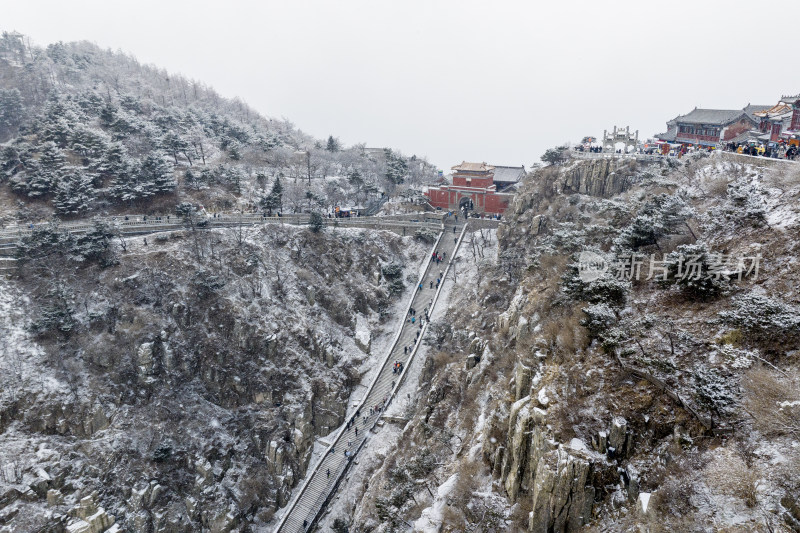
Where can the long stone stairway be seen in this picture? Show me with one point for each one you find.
(323, 478)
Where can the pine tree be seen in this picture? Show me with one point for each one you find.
(96, 244)
(108, 115)
(316, 222)
(356, 181)
(113, 161)
(11, 112)
(556, 156)
(14, 159)
(174, 144)
(277, 193)
(233, 178)
(52, 157)
(333, 144)
(73, 193)
(396, 167)
(128, 188)
(192, 179)
(273, 200)
(48, 172)
(157, 174)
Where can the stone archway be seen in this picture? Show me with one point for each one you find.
(465, 203)
(619, 136)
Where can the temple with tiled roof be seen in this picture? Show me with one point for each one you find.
(708, 127)
(477, 187)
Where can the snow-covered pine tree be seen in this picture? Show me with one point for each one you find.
(48, 172)
(73, 193)
(333, 144)
(108, 115)
(396, 167)
(96, 244)
(11, 112)
(113, 162)
(157, 174)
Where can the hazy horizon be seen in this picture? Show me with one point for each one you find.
(450, 81)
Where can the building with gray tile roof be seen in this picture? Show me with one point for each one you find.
(752, 109)
(709, 127)
(505, 177)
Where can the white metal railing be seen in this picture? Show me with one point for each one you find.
(575, 154)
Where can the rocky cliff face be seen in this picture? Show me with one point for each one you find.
(602, 178)
(556, 404)
(194, 376)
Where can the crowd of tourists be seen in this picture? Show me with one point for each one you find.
(772, 150)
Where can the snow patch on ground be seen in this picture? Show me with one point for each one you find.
(21, 367)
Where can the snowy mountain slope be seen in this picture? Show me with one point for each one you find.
(194, 370)
(86, 130)
(558, 404)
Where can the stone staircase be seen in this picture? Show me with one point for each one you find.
(323, 479)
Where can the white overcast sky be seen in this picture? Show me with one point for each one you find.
(451, 80)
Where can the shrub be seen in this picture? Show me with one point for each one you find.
(340, 526)
(316, 222)
(689, 268)
(659, 217)
(764, 319)
(393, 273)
(747, 201)
(729, 474)
(600, 318)
(713, 390)
(207, 284)
(58, 312)
(605, 289)
(425, 235)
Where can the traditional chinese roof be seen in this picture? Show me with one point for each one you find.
(669, 136)
(752, 109)
(473, 167)
(717, 117)
(775, 110)
(508, 174)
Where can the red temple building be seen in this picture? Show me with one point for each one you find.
(780, 122)
(479, 187)
(759, 123)
(709, 127)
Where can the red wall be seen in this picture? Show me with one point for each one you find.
(479, 182)
(483, 202)
(776, 131)
(735, 129)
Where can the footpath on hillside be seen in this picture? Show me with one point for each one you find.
(322, 479)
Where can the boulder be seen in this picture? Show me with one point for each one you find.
(618, 438)
(145, 362)
(54, 498)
